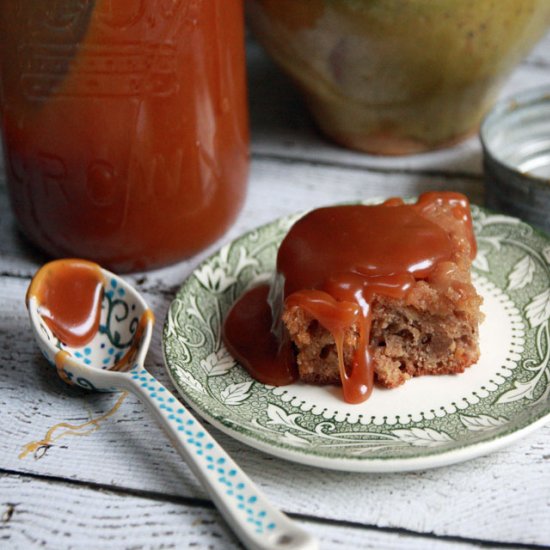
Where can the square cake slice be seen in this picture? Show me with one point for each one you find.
(429, 326)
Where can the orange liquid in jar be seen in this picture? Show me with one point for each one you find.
(124, 124)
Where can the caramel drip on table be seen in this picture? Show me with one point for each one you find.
(335, 261)
(69, 294)
(54, 433)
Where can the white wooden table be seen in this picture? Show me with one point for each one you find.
(123, 486)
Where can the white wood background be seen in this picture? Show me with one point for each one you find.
(124, 487)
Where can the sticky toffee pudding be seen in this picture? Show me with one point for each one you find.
(364, 295)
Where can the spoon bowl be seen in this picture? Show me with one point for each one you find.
(120, 343)
(69, 298)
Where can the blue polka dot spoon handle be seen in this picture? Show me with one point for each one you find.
(255, 521)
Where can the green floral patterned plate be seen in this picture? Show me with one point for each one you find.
(427, 422)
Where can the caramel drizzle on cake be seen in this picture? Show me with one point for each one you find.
(332, 264)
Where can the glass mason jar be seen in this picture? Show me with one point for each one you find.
(125, 125)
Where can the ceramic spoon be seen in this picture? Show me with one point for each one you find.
(120, 325)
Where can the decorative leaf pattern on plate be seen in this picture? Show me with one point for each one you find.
(218, 363)
(521, 390)
(278, 416)
(480, 261)
(538, 310)
(537, 368)
(482, 422)
(214, 278)
(423, 437)
(188, 380)
(234, 394)
(512, 258)
(522, 273)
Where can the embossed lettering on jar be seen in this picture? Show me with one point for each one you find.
(124, 125)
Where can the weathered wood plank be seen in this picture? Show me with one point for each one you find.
(502, 497)
(36, 513)
(39, 513)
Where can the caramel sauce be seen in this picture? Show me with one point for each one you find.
(259, 350)
(127, 359)
(334, 261)
(64, 429)
(69, 294)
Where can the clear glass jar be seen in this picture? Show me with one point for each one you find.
(125, 125)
